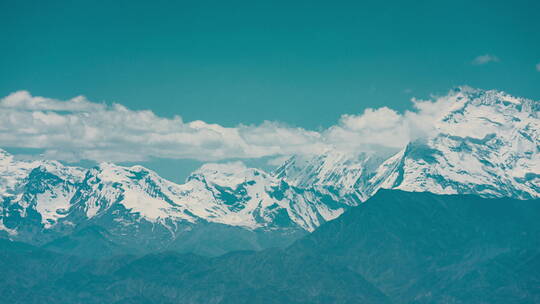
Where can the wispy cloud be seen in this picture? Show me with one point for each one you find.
(80, 129)
(538, 67)
(408, 91)
(485, 59)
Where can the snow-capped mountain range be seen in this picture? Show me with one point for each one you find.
(483, 142)
(44, 200)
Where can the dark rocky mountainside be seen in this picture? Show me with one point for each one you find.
(398, 247)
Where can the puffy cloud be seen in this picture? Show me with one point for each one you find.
(369, 130)
(22, 100)
(485, 59)
(80, 129)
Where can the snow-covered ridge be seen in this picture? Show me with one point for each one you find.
(48, 193)
(12, 171)
(488, 144)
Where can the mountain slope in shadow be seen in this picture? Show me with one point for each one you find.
(398, 247)
(426, 248)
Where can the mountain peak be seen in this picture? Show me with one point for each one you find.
(486, 144)
(115, 173)
(228, 175)
(494, 100)
(481, 142)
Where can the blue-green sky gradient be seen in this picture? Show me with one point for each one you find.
(303, 63)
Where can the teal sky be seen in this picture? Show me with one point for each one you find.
(300, 62)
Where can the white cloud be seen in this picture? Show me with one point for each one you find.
(538, 67)
(24, 101)
(485, 59)
(372, 128)
(80, 129)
